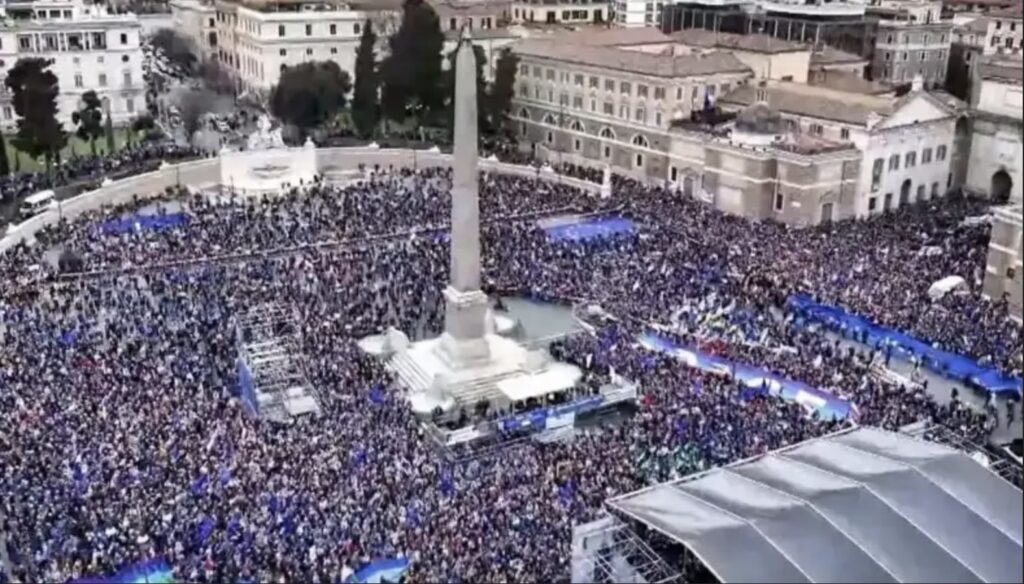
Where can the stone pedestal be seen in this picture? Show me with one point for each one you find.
(463, 344)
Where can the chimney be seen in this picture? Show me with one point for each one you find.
(917, 84)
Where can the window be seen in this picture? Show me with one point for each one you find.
(641, 91)
(8, 112)
(641, 115)
(577, 102)
(926, 156)
(78, 80)
(536, 72)
(816, 129)
(595, 82)
(844, 133)
(129, 104)
(625, 88)
(608, 108)
(309, 30)
(283, 52)
(577, 145)
(609, 85)
(578, 80)
(25, 43)
(876, 174)
(280, 30)
(872, 204)
(624, 111)
(780, 201)
(659, 93)
(641, 141)
(334, 29)
(940, 153)
(124, 38)
(894, 162)
(657, 118)
(355, 28)
(309, 52)
(549, 74)
(550, 138)
(127, 78)
(103, 80)
(593, 105)
(125, 59)
(639, 161)
(334, 50)
(935, 190)
(910, 160)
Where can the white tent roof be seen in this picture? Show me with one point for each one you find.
(858, 506)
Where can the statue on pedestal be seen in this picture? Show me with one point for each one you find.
(264, 138)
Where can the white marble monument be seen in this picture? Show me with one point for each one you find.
(470, 361)
(267, 165)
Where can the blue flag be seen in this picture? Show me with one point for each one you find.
(199, 485)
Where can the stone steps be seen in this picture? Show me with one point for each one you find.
(409, 372)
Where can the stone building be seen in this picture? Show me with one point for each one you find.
(967, 45)
(1004, 272)
(89, 49)
(997, 100)
(908, 38)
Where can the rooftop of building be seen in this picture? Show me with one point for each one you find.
(318, 5)
(754, 43)
(976, 26)
(485, 34)
(1014, 12)
(831, 56)
(600, 36)
(849, 83)
(812, 101)
(446, 8)
(1002, 68)
(759, 127)
(628, 61)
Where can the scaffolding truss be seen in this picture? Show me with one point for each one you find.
(623, 547)
(996, 459)
(268, 343)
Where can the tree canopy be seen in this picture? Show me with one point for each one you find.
(89, 119)
(411, 80)
(502, 90)
(310, 94)
(365, 95)
(176, 47)
(35, 91)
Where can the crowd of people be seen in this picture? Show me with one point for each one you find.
(125, 439)
(132, 159)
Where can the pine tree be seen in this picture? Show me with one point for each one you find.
(366, 95)
(499, 98)
(411, 79)
(35, 90)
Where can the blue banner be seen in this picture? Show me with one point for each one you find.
(390, 570)
(755, 379)
(537, 419)
(155, 571)
(867, 332)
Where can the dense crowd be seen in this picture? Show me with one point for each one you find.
(124, 439)
(131, 159)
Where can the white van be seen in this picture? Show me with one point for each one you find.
(36, 203)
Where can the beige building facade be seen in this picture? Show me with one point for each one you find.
(1004, 272)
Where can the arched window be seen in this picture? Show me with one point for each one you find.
(641, 141)
(524, 113)
(550, 120)
(607, 133)
(577, 126)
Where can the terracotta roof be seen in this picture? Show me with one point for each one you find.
(825, 105)
(831, 56)
(483, 34)
(657, 65)
(1015, 12)
(755, 43)
(849, 83)
(1002, 68)
(615, 37)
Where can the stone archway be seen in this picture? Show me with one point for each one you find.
(1001, 186)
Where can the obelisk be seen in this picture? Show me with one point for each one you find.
(463, 343)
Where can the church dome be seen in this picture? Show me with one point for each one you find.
(759, 119)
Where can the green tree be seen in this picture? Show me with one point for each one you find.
(310, 94)
(499, 97)
(89, 119)
(35, 89)
(5, 165)
(176, 47)
(366, 94)
(411, 80)
(108, 130)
